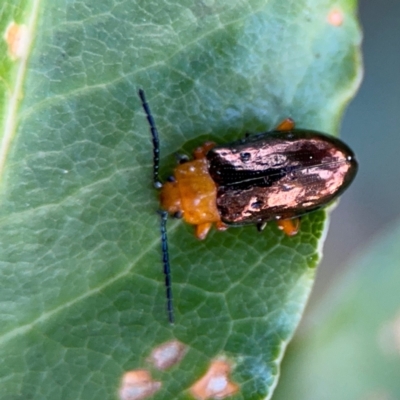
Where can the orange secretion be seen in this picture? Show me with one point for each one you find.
(198, 192)
(194, 194)
(289, 226)
(170, 197)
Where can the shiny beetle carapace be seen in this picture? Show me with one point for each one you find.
(278, 175)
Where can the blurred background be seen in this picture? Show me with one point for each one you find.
(348, 344)
(371, 127)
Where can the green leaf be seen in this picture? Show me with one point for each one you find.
(81, 286)
(352, 348)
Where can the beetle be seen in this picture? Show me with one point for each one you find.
(278, 175)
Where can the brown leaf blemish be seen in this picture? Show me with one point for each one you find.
(335, 17)
(215, 384)
(16, 37)
(167, 354)
(137, 385)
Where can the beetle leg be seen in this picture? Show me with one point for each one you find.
(202, 230)
(289, 226)
(171, 178)
(177, 215)
(221, 226)
(201, 151)
(261, 226)
(181, 158)
(286, 125)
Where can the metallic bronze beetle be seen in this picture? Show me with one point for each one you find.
(278, 175)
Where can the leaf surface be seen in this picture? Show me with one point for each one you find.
(81, 287)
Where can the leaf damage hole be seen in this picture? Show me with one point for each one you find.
(335, 17)
(167, 354)
(138, 385)
(16, 37)
(216, 383)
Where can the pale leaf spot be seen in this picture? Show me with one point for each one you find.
(215, 384)
(389, 336)
(16, 37)
(167, 354)
(335, 17)
(137, 385)
(377, 395)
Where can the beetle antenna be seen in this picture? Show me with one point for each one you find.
(156, 141)
(163, 214)
(167, 269)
